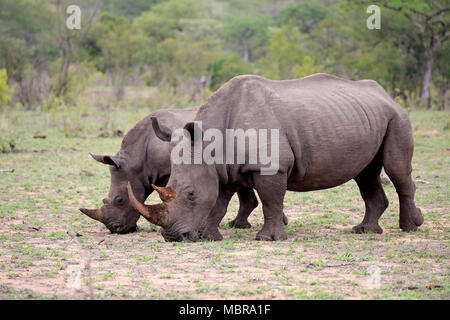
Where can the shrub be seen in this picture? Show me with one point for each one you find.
(5, 91)
(226, 68)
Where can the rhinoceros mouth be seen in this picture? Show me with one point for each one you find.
(119, 229)
(190, 236)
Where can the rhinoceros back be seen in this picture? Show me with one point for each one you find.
(324, 121)
(335, 127)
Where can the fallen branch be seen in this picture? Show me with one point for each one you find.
(337, 265)
(7, 170)
(331, 265)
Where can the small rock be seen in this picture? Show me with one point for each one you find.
(87, 173)
(385, 180)
(427, 133)
(74, 234)
(431, 286)
(30, 227)
(118, 133)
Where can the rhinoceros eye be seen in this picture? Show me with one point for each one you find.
(119, 200)
(191, 195)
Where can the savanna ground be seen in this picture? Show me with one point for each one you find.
(322, 258)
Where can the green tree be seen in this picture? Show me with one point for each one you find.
(128, 8)
(248, 32)
(166, 19)
(121, 47)
(227, 67)
(345, 47)
(24, 46)
(285, 57)
(183, 42)
(304, 15)
(69, 41)
(431, 22)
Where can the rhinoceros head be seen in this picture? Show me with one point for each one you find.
(117, 213)
(188, 198)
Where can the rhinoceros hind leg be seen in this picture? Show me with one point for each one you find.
(239, 224)
(372, 192)
(397, 155)
(247, 203)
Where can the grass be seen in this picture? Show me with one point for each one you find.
(322, 258)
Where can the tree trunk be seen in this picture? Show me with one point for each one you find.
(245, 48)
(64, 70)
(425, 93)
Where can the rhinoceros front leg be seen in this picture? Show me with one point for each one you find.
(271, 191)
(247, 203)
(210, 229)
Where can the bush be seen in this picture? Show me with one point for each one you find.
(8, 142)
(9, 138)
(80, 77)
(5, 91)
(226, 68)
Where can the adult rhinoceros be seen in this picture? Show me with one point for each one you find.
(144, 160)
(330, 129)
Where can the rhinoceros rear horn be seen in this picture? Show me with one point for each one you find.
(166, 194)
(156, 214)
(95, 214)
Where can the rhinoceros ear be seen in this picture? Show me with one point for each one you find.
(112, 161)
(161, 131)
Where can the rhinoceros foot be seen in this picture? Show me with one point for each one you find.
(272, 232)
(240, 224)
(367, 227)
(211, 234)
(413, 221)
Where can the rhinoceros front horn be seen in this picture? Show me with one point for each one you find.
(95, 214)
(156, 214)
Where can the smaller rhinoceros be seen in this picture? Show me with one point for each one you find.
(144, 160)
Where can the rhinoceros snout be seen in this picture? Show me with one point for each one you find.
(185, 236)
(116, 228)
(121, 229)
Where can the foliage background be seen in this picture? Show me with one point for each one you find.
(179, 51)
